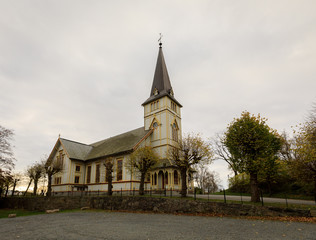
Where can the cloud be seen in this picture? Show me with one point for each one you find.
(83, 70)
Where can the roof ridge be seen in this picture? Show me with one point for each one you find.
(114, 136)
(75, 142)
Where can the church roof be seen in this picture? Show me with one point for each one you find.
(161, 84)
(119, 144)
(76, 150)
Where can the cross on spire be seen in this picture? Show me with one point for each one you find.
(159, 40)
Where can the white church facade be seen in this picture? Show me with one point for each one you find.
(83, 164)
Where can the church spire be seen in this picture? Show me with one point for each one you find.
(161, 81)
(161, 84)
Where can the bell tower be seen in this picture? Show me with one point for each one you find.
(162, 112)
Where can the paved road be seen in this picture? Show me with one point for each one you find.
(265, 199)
(114, 225)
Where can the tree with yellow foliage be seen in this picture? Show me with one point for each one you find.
(255, 145)
(142, 160)
(304, 162)
(191, 150)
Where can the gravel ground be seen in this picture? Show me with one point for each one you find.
(118, 225)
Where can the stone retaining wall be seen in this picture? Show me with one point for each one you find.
(163, 205)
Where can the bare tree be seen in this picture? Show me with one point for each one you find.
(221, 153)
(30, 175)
(212, 182)
(199, 175)
(109, 163)
(15, 179)
(51, 168)
(6, 182)
(6, 154)
(39, 171)
(6, 157)
(191, 150)
(4, 176)
(206, 179)
(142, 160)
(287, 152)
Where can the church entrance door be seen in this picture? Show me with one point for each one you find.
(161, 180)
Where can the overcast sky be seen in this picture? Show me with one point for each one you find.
(82, 69)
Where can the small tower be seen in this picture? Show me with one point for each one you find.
(162, 112)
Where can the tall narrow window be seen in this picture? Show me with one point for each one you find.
(57, 180)
(175, 177)
(173, 106)
(60, 158)
(154, 105)
(119, 170)
(77, 179)
(166, 178)
(97, 173)
(174, 132)
(89, 174)
(155, 178)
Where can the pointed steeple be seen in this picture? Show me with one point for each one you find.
(161, 78)
(161, 84)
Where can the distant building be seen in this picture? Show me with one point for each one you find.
(83, 167)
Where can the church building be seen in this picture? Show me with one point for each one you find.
(83, 164)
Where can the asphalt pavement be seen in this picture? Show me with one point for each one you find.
(247, 199)
(117, 225)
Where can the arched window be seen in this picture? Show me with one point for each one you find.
(166, 178)
(155, 178)
(175, 177)
(174, 132)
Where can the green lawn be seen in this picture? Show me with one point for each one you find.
(4, 213)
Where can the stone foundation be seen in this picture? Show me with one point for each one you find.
(162, 205)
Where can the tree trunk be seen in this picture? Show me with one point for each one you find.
(49, 185)
(315, 187)
(28, 187)
(141, 185)
(6, 191)
(184, 182)
(269, 188)
(110, 187)
(14, 185)
(255, 196)
(35, 187)
(108, 170)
